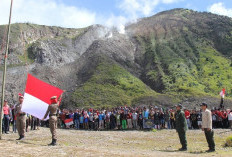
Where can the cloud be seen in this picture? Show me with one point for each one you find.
(171, 1)
(219, 8)
(118, 22)
(46, 12)
(56, 13)
(134, 9)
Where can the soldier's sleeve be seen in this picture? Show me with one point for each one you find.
(45, 116)
(183, 119)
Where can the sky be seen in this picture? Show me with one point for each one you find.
(117, 13)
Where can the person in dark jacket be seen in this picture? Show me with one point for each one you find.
(193, 118)
(157, 119)
(181, 127)
(76, 119)
(140, 120)
(112, 121)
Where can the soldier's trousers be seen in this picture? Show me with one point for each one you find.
(52, 126)
(182, 137)
(21, 125)
(209, 138)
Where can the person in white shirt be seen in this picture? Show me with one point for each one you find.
(135, 119)
(230, 118)
(207, 126)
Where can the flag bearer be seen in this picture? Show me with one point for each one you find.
(52, 111)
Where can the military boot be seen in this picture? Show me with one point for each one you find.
(183, 149)
(20, 137)
(54, 142)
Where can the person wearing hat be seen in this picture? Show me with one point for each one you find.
(52, 111)
(181, 127)
(20, 118)
(207, 126)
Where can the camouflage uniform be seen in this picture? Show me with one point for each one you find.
(52, 111)
(20, 121)
(181, 127)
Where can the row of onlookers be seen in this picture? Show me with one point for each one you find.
(121, 118)
(138, 118)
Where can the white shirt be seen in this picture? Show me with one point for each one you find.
(134, 115)
(230, 116)
(206, 119)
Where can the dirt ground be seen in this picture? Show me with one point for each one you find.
(73, 143)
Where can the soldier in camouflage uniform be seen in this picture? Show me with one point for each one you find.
(21, 118)
(181, 127)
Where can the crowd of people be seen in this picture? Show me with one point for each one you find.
(123, 118)
(120, 118)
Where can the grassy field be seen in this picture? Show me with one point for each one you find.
(111, 143)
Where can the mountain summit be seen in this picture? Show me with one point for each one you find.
(174, 56)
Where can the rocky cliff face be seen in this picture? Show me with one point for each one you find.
(175, 56)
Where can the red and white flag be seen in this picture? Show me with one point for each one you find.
(223, 92)
(37, 96)
(68, 122)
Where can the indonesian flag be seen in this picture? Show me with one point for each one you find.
(223, 92)
(68, 122)
(37, 96)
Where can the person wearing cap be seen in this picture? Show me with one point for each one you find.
(181, 127)
(207, 126)
(20, 118)
(52, 111)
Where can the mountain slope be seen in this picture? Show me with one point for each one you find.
(174, 56)
(185, 52)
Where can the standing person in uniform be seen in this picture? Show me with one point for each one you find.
(20, 118)
(181, 127)
(207, 127)
(52, 111)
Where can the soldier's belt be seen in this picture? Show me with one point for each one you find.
(52, 115)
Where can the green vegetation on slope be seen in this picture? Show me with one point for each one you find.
(110, 85)
(185, 55)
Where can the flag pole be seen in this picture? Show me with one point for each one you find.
(5, 66)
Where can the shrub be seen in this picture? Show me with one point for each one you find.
(229, 141)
